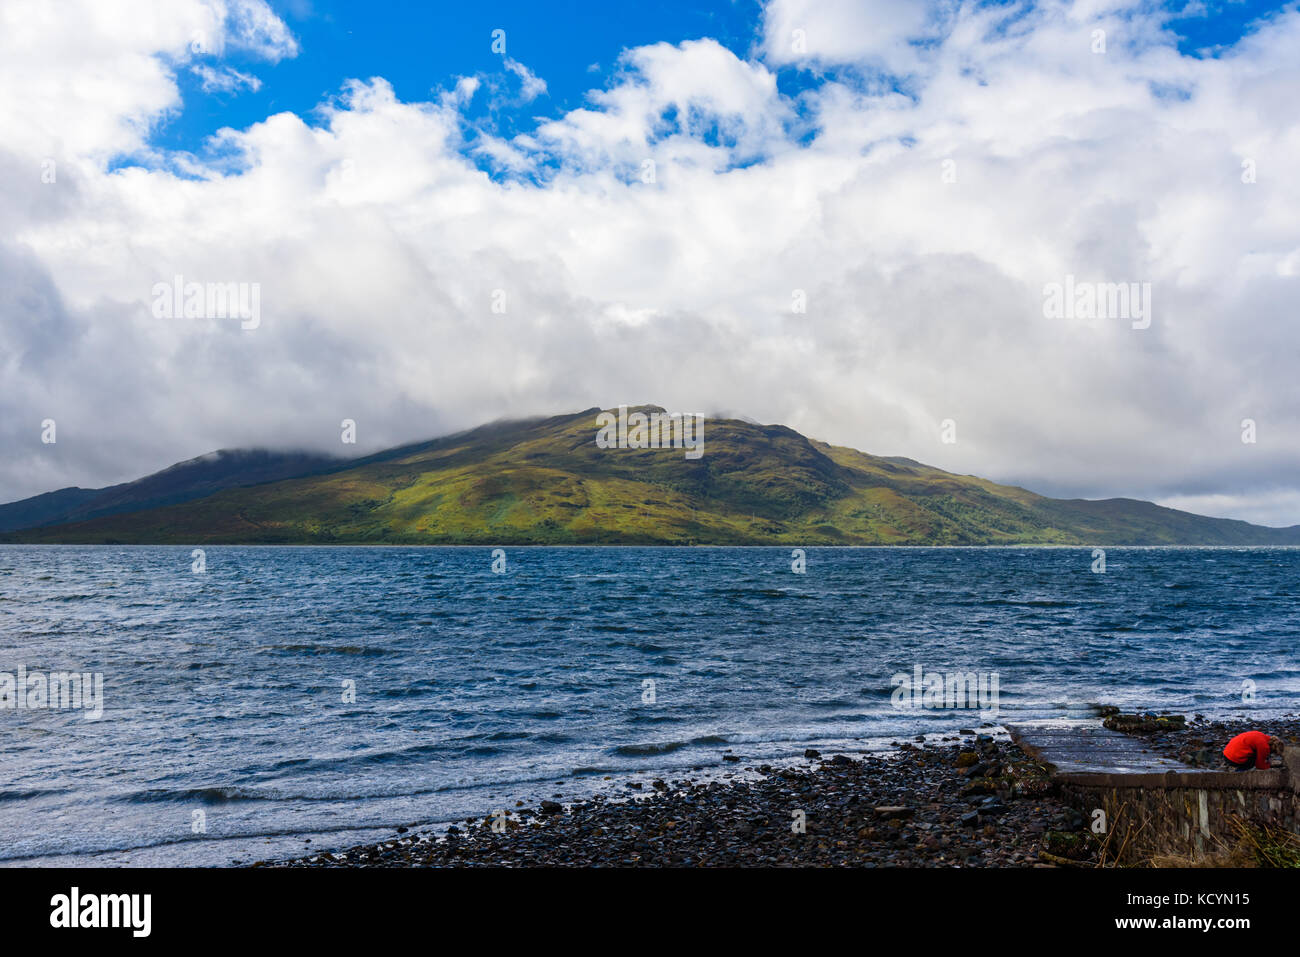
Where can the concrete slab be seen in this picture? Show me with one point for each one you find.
(1152, 806)
(1086, 747)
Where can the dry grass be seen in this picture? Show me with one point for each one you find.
(1253, 845)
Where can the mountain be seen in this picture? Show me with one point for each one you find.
(182, 482)
(545, 481)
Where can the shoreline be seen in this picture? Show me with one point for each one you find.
(724, 808)
(970, 799)
(1003, 546)
(966, 800)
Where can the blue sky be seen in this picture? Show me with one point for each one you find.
(421, 48)
(573, 45)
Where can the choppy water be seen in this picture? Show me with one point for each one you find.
(224, 691)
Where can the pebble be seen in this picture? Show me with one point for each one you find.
(844, 812)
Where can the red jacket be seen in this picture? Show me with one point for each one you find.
(1246, 745)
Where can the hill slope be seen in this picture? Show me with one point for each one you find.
(545, 481)
(182, 482)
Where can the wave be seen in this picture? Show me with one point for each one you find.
(360, 650)
(204, 795)
(649, 749)
(1026, 603)
(638, 645)
(733, 593)
(29, 794)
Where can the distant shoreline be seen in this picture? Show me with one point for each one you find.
(910, 548)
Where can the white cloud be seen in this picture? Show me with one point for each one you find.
(531, 85)
(225, 79)
(251, 25)
(695, 103)
(881, 33)
(88, 79)
(380, 245)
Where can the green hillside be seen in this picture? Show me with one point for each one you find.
(546, 482)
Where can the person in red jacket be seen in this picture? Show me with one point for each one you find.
(1251, 749)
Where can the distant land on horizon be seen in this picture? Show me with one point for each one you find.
(545, 481)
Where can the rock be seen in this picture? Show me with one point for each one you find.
(891, 812)
(1073, 847)
(812, 753)
(913, 807)
(1206, 757)
(1146, 723)
(967, 758)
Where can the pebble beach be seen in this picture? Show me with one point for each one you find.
(964, 801)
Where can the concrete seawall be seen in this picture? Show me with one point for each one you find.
(1154, 806)
(1189, 814)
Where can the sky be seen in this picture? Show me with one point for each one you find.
(843, 216)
